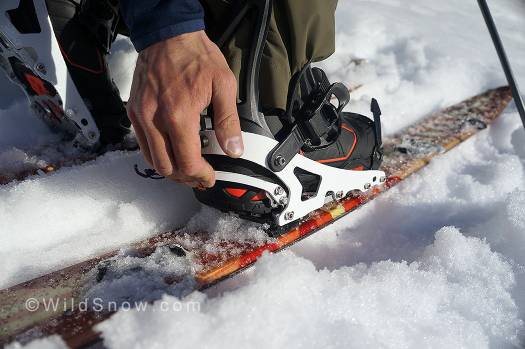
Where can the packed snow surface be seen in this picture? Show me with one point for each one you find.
(436, 262)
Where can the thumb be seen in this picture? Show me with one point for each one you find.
(225, 117)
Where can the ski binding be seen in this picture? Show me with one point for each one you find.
(31, 57)
(334, 183)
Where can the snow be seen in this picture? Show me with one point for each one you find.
(456, 294)
(436, 262)
(51, 342)
(76, 213)
(123, 57)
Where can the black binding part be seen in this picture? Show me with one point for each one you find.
(252, 120)
(378, 149)
(147, 173)
(101, 18)
(24, 18)
(376, 112)
(315, 118)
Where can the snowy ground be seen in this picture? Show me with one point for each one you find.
(437, 262)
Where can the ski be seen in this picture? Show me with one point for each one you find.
(205, 259)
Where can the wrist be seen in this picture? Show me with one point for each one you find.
(193, 45)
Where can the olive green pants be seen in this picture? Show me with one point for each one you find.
(300, 31)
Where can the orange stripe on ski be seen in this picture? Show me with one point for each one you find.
(319, 219)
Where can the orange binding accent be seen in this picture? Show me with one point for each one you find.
(259, 197)
(236, 192)
(37, 85)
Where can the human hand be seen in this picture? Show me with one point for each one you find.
(174, 81)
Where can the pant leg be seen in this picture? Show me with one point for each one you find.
(300, 31)
(86, 63)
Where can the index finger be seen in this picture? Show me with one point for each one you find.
(186, 146)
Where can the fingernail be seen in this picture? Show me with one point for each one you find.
(234, 146)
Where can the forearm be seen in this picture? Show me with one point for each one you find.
(152, 21)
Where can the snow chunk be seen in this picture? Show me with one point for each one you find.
(51, 342)
(19, 126)
(225, 227)
(130, 278)
(15, 160)
(457, 294)
(122, 63)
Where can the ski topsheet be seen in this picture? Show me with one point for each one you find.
(192, 260)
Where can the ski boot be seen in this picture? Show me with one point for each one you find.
(48, 48)
(315, 154)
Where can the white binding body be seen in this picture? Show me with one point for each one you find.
(334, 182)
(41, 53)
